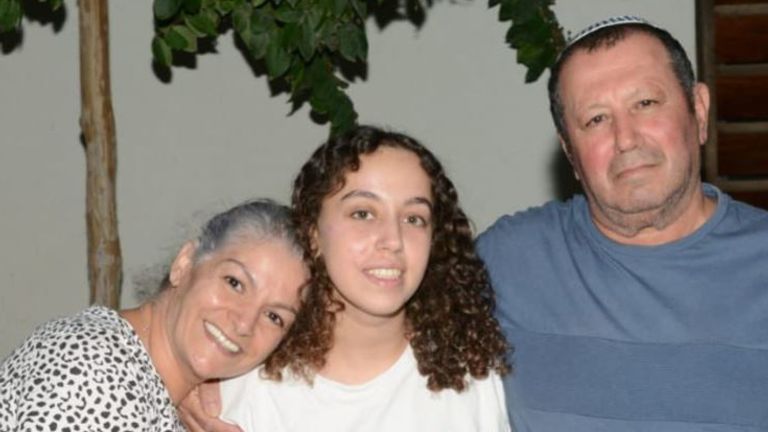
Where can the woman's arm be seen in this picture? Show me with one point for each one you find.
(200, 410)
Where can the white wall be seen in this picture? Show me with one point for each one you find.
(214, 136)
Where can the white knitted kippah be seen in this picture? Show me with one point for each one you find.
(609, 22)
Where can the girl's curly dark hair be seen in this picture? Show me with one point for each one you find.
(450, 317)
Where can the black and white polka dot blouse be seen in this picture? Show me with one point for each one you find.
(88, 372)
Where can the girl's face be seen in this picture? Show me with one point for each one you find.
(375, 233)
(230, 310)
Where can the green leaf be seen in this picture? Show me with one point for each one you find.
(257, 3)
(529, 54)
(241, 20)
(307, 41)
(291, 36)
(344, 116)
(321, 83)
(10, 15)
(165, 9)
(314, 17)
(55, 4)
(203, 24)
(262, 21)
(192, 6)
(278, 60)
(339, 6)
(257, 45)
(192, 28)
(361, 8)
(320, 100)
(352, 43)
(298, 82)
(285, 13)
(534, 72)
(225, 7)
(161, 51)
(534, 33)
(327, 35)
(181, 38)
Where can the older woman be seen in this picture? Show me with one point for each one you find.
(229, 298)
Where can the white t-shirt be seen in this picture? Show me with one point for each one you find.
(397, 400)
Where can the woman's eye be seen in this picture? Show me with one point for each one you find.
(361, 214)
(276, 319)
(234, 283)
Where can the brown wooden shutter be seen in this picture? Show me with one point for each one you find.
(733, 60)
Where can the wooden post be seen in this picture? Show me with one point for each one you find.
(98, 128)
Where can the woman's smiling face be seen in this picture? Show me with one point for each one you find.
(232, 308)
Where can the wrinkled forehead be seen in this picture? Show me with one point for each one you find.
(636, 51)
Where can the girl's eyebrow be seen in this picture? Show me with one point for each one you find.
(420, 200)
(360, 193)
(368, 194)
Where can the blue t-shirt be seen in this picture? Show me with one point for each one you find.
(611, 337)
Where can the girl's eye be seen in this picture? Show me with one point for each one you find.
(361, 214)
(416, 220)
(234, 283)
(276, 319)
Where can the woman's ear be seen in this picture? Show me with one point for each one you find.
(182, 264)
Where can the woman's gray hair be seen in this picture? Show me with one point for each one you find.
(257, 220)
(261, 219)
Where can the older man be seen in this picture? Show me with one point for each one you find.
(643, 305)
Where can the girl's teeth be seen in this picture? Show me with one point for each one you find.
(221, 339)
(385, 273)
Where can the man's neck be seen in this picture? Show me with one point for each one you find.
(693, 214)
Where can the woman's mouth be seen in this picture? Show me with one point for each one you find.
(220, 338)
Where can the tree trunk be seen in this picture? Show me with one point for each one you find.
(98, 127)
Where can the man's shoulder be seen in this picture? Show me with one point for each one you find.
(531, 222)
(749, 214)
(738, 221)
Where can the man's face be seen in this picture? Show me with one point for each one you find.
(634, 144)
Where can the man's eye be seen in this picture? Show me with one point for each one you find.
(234, 283)
(276, 319)
(646, 103)
(596, 120)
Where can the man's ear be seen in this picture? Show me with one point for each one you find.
(182, 264)
(701, 102)
(567, 151)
